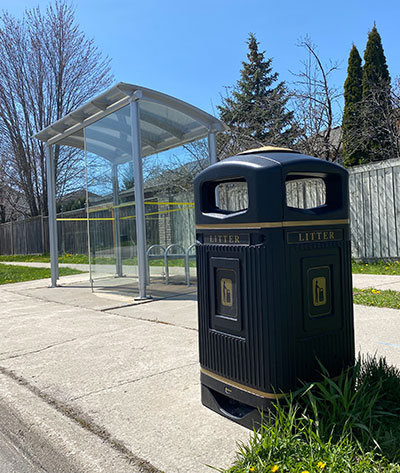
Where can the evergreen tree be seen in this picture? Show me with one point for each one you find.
(352, 121)
(376, 100)
(256, 109)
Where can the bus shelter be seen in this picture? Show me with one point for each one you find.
(117, 133)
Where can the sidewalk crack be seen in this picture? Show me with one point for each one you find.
(131, 381)
(38, 350)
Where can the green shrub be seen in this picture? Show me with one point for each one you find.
(350, 424)
(291, 441)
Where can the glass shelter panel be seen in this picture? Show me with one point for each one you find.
(110, 193)
(71, 204)
(169, 210)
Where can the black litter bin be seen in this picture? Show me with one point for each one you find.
(274, 278)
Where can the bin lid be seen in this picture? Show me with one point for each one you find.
(266, 149)
(267, 171)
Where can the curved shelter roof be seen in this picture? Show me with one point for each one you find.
(165, 123)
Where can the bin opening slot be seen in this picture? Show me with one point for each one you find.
(305, 192)
(231, 407)
(226, 197)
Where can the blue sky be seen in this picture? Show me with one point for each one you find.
(191, 50)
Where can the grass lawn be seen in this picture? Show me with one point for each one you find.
(45, 258)
(83, 259)
(379, 267)
(10, 274)
(377, 298)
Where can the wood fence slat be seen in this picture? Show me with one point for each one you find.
(313, 194)
(299, 194)
(353, 218)
(366, 196)
(382, 213)
(354, 222)
(376, 231)
(396, 202)
(308, 195)
(360, 217)
(391, 220)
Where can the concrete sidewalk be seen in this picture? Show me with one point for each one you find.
(111, 387)
(91, 382)
(377, 281)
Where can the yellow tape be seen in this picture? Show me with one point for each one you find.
(100, 209)
(169, 203)
(131, 204)
(152, 213)
(164, 212)
(83, 218)
(121, 218)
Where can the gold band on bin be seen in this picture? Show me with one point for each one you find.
(291, 223)
(229, 382)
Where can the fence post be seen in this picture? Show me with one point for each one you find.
(12, 237)
(42, 231)
(25, 238)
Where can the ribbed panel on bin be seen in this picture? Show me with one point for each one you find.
(263, 332)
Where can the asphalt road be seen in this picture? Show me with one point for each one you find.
(12, 460)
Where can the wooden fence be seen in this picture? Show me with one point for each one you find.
(375, 210)
(29, 236)
(374, 218)
(164, 225)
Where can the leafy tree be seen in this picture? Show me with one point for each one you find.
(352, 121)
(376, 94)
(375, 70)
(256, 109)
(48, 68)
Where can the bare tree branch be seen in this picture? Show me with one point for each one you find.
(47, 68)
(314, 100)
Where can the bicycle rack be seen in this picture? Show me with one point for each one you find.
(187, 260)
(153, 257)
(168, 256)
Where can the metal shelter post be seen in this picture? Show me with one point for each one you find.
(212, 154)
(87, 211)
(51, 198)
(212, 147)
(117, 229)
(139, 193)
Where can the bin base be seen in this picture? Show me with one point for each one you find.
(236, 411)
(239, 406)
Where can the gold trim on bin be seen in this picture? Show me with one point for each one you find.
(291, 223)
(242, 386)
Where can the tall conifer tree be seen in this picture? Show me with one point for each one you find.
(256, 108)
(352, 121)
(376, 99)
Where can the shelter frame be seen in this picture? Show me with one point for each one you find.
(70, 131)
